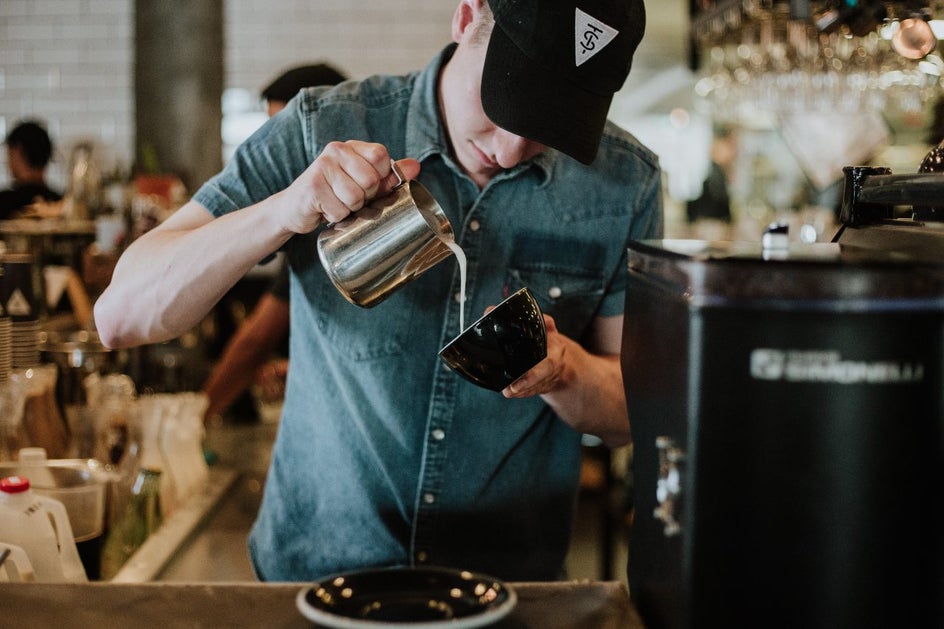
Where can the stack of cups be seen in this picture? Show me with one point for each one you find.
(19, 298)
(6, 347)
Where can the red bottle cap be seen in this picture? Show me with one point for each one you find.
(14, 484)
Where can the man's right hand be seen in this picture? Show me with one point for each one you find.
(341, 180)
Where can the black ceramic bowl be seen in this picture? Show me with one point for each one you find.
(429, 597)
(500, 347)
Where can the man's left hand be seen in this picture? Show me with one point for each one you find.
(549, 374)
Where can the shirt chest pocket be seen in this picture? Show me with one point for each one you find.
(365, 333)
(359, 334)
(567, 279)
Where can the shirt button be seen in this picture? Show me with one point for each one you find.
(429, 498)
(474, 225)
(459, 297)
(554, 292)
(422, 556)
(439, 434)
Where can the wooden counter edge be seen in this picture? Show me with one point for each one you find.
(556, 605)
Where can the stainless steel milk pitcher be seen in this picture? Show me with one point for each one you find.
(392, 240)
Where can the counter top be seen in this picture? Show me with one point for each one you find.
(46, 227)
(559, 605)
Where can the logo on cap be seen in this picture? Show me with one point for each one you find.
(590, 36)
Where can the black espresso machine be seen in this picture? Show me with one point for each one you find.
(788, 421)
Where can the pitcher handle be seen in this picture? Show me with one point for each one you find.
(400, 178)
(400, 181)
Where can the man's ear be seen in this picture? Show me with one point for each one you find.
(465, 15)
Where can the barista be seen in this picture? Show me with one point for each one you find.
(384, 456)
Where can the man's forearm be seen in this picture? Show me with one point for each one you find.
(168, 280)
(592, 398)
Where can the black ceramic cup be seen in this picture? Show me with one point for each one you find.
(500, 347)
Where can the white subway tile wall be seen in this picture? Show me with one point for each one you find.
(70, 62)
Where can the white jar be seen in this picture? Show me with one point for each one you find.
(40, 526)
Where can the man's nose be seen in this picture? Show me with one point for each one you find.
(511, 149)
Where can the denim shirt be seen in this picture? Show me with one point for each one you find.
(384, 457)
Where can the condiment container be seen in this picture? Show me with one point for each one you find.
(39, 525)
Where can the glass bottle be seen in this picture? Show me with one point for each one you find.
(141, 515)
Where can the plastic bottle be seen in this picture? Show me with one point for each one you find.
(40, 526)
(34, 460)
(181, 442)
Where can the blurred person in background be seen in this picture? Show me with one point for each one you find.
(289, 83)
(29, 151)
(715, 202)
(264, 332)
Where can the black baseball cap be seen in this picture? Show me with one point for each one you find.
(553, 66)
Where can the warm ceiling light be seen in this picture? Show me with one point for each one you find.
(914, 39)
